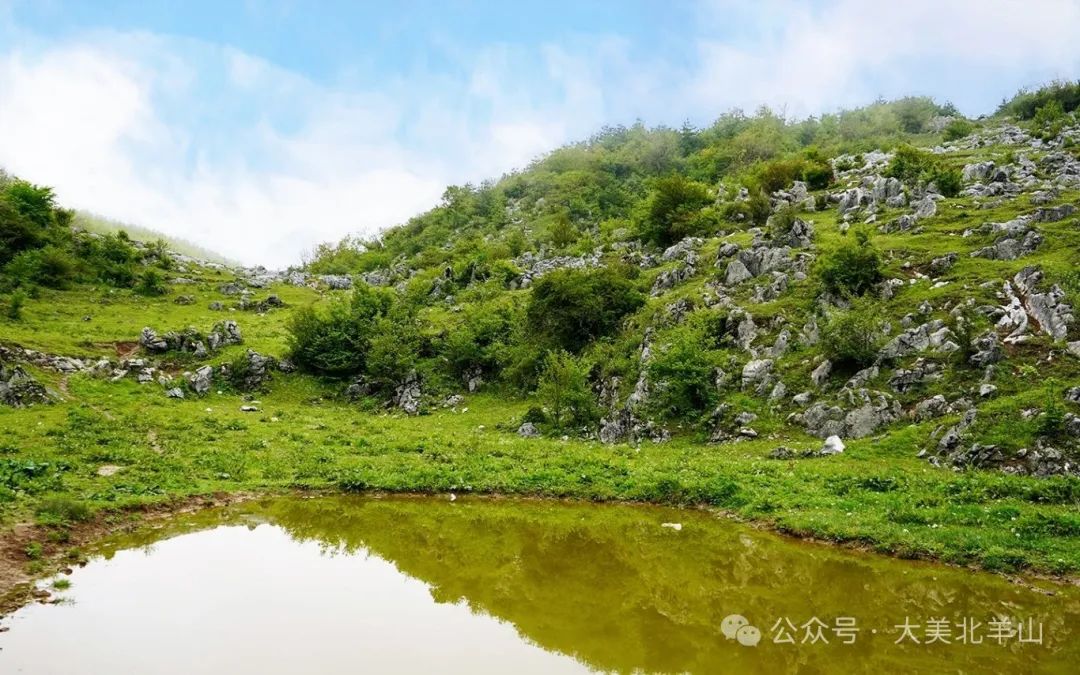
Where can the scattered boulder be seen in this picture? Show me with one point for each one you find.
(200, 380)
(528, 430)
(18, 389)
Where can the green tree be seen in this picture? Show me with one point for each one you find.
(564, 390)
(35, 202)
(570, 308)
(674, 208)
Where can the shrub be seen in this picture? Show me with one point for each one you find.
(1026, 104)
(779, 174)
(151, 283)
(15, 305)
(564, 390)
(958, 128)
(50, 266)
(393, 350)
(852, 337)
(570, 308)
(852, 269)
(334, 340)
(910, 164)
(674, 209)
(17, 232)
(1052, 421)
(686, 367)
(753, 211)
(35, 202)
(949, 181)
(818, 174)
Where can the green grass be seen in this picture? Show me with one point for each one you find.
(877, 494)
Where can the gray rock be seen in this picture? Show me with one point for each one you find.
(528, 430)
(201, 380)
(925, 207)
(802, 398)
(151, 341)
(820, 374)
(939, 266)
(737, 273)
(757, 373)
(935, 406)
(407, 396)
(336, 282)
(18, 389)
(175, 392)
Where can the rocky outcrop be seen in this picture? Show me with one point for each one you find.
(18, 389)
(872, 411)
(623, 425)
(408, 396)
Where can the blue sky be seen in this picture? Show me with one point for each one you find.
(261, 128)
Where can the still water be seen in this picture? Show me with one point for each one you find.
(410, 585)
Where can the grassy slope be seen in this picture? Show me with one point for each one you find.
(876, 494)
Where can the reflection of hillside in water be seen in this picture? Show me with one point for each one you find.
(610, 586)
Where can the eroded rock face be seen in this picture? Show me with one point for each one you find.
(408, 396)
(623, 425)
(873, 410)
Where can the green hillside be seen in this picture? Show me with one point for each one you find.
(684, 316)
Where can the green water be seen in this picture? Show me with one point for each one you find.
(364, 585)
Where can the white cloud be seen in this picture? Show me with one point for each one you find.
(821, 57)
(219, 146)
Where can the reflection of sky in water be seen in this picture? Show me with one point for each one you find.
(408, 585)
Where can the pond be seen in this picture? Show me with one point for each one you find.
(425, 585)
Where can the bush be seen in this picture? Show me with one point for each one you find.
(1052, 420)
(675, 208)
(949, 181)
(50, 266)
(852, 337)
(686, 366)
(34, 202)
(17, 232)
(564, 390)
(393, 350)
(958, 128)
(779, 174)
(818, 175)
(334, 340)
(570, 308)
(853, 269)
(15, 305)
(753, 211)
(911, 164)
(151, 283)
